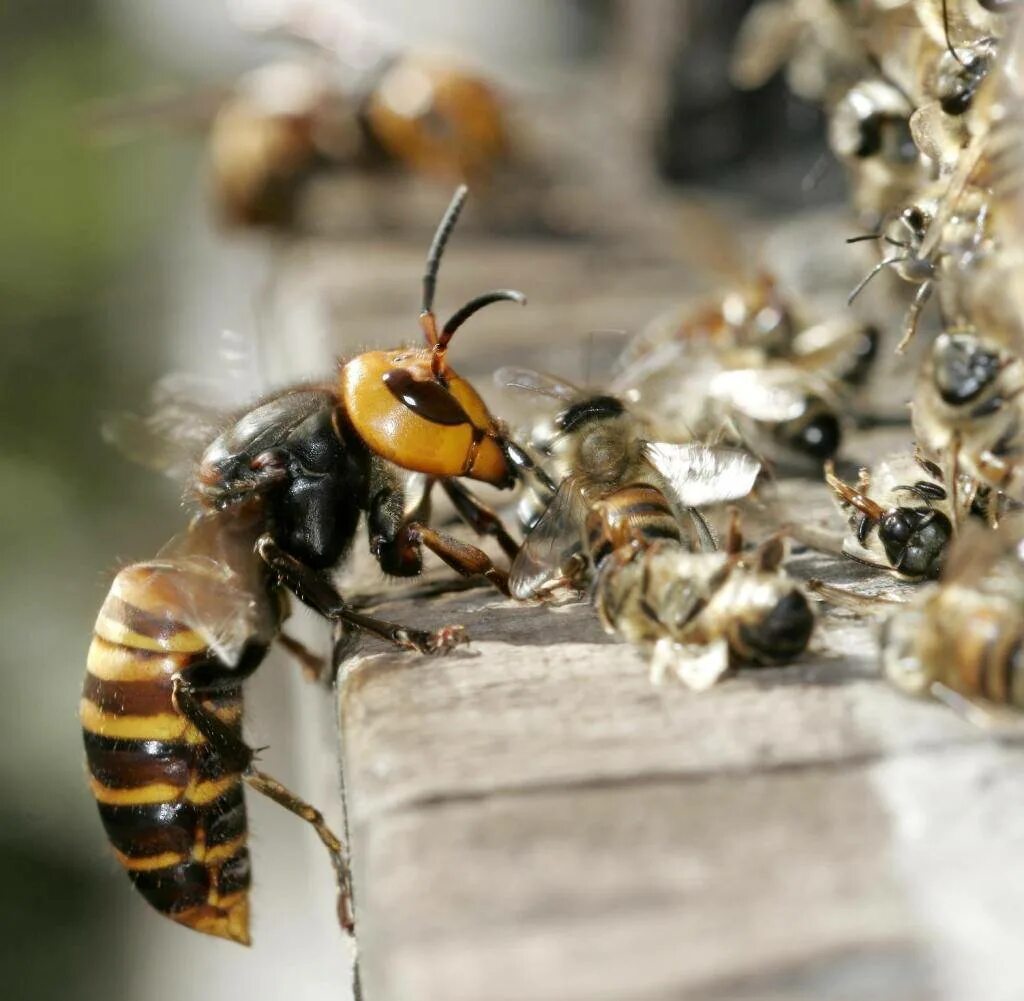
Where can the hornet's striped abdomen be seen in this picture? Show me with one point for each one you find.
(172, 808)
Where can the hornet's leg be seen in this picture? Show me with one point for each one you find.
(316, 591)
(236, 753)
(462, 557)
(312, 664)
(482, 519)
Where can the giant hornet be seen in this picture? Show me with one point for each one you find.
(281, 492)
(347, 102)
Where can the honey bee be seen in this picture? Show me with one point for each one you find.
(964, 634)
(280, 493)
(776, 410)
(161, 715)
(594, 447)
(698, 613)
(967, 410)
(869, 132)
(899, 515)
(756, 317)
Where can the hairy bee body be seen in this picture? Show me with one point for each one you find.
(968, 406)
(172, 808)
(967, 641)
(700, 611)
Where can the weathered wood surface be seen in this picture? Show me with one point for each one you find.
(531, 819)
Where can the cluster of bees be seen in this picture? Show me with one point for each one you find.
(621, 492)
(924, 102)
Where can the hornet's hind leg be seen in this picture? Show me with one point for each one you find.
(235, 753)
(316, 591)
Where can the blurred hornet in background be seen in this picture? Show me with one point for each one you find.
(900, 516)
(281, 491)
(351, 102)
(592, 449)
(965, 635)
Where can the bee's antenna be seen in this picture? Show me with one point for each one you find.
(444, 230)
(871, 274)
(863, 237)
(945, 29)
(459, 317)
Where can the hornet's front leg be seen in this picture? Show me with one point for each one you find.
(315, 590)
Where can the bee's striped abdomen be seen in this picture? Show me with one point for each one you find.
(173, 811)
(636, 515)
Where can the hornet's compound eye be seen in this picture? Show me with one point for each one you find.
(426, 398)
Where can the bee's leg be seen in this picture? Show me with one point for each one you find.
(910, 321)
(463, 558)
(235, 753)
(316, 591)
(733, 533)
(482, 519)
(312, 664)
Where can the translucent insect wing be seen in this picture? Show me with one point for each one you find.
(700, 475)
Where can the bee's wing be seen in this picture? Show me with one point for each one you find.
(553, 547)
(763, 394)
(529, 381)
(700, 474)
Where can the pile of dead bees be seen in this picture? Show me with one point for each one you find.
(622, 491)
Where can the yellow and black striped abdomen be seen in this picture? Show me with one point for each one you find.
(635, 516)
(173, 811)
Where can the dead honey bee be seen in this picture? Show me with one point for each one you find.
(869, 132)
(776, 410)
(964, 635)
(899, 515)
(758, 316)
(698, 613)
(967, 411)
(594, 447)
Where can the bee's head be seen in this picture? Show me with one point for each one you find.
(915, 541)
(782, 632)
(962, 368)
